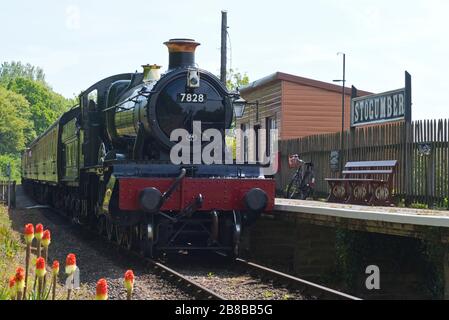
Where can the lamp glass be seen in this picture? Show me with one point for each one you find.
(239, 107)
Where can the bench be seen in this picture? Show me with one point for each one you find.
(364, 182)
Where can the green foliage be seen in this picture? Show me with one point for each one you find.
(10, 249)
(15, 162)
(16, 129)
(236, 79)
(16, 69)
(45, 105)
(417, 205)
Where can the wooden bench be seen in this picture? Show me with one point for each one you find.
(364, 182)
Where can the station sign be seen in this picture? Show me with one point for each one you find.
(383, 107)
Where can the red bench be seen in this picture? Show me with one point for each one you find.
(364, 182)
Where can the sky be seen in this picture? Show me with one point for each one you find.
(79, 42)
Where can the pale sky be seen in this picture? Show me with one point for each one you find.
(78, 42)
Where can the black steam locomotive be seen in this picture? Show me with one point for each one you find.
(108, 161)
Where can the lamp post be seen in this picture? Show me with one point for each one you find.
(343, 81)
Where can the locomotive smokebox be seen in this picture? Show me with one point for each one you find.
(181, 53)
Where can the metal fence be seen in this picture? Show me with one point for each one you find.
(8, 193)
(421, 148)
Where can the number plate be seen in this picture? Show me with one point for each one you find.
(192, 97)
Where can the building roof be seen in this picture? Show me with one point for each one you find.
(281, 76)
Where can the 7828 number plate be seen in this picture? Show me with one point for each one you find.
(192, 97)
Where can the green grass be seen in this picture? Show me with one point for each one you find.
(11, 249)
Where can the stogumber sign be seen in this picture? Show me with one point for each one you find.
(383, 107)
(377, 108)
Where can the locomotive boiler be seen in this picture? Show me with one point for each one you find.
(108, 162)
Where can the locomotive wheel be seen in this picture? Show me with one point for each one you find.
(110, 232)
(146, 244)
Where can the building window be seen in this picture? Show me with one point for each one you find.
(270, 124)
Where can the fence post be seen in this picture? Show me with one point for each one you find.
(13, 195)
(407, 165)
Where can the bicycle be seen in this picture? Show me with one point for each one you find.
(302, 183)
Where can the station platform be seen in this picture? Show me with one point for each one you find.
(389, 220)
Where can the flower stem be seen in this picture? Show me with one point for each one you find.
(54, 287)
(45, 257)
(38, 255)
(129, 296)
(27, 267)
(40, 288)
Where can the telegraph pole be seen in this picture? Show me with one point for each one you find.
(224, 29)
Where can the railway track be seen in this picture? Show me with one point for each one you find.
(192, 287)
(307, 289)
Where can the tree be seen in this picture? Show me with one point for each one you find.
(235, 80)
(45, 105)
(16, 129)
(16, 69)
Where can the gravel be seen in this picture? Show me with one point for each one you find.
(95, 257)
(229, 280)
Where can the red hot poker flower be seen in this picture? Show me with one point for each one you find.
(40, 267)
(29, 233)
(46, 238)
(70, 263)
(20, 279)
(55, 267)
(129, 280)
(12, 282)
(39, 231)
(102, 290)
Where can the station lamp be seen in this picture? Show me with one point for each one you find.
(239, 107)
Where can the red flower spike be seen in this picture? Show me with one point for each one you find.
(40, 267)
(46, 238)
(39, 231)
(102, 290)
(12, 282)
(20, 279)
(29, 233)
(55, 267)
(70, 263)
(129, 280)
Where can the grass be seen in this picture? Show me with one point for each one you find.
(11, 252)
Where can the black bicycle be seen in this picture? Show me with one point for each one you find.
(302, 183)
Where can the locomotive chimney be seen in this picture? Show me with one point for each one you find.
(181, 53)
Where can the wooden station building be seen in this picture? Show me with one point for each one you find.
(294, 105)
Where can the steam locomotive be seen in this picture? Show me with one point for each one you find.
(108, 162)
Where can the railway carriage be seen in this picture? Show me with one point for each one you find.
(108, 161)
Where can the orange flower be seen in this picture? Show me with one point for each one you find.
(20, 279)
(70, 263)
(12, 282)
(29, 233)
(12, 287)
(46, 238)
(40, 267)
(39, 231)
(129, 280)
(102, 290)
(55, 267)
